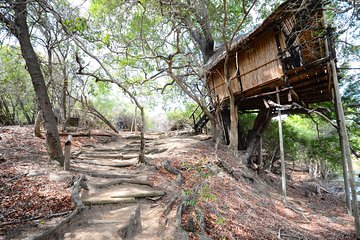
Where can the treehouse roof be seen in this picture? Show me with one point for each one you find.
(286, 8)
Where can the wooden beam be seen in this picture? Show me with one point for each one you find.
(344, 139)
(67, 153)
(260, 153)
(345, 150)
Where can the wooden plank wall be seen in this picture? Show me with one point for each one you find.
(259, 65)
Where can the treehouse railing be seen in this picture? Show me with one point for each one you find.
(199, 120)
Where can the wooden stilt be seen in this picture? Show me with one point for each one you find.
(344, 163)
(260, 153)
(345, 147)
(333, 74)
(281, 144)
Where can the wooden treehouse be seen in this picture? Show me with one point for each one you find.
(285, 64)
(289, 51)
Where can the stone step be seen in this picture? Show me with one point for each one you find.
(122, 223)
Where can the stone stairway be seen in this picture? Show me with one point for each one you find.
(120, 202)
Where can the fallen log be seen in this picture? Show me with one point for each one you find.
(121, 181)
(141, 195)
(109, 201)
(88, 134)
(92, 162)
(109, 175)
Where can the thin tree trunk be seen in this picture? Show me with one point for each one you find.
(64, 93)
(28, 119)
(96, 113)
(21, 31)
(142, 139)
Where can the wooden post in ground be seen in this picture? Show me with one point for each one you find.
(328, 46)
(345, 167)
(281, 144)
(345, 147)
(260, 153)
(67, 153)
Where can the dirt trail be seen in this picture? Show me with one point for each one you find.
(121, 202)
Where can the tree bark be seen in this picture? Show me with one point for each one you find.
(142, 138)
(19, 28)
(260, 125)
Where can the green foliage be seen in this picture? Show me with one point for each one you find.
(183, 113)
(16, 92)
(220, 221)
(302, 141)
(206, 194)
(78, 24)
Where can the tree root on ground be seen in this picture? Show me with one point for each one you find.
(78, 184)
(167, 166)
(232, 172)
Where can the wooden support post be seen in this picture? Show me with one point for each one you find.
(336, 95)
(260, 153)
(281, 144)
(345, 147)
(67, 153)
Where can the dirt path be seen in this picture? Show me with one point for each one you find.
(121, 202)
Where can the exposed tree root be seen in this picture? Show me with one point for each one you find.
(167, 166)
(170, 204)
(48, 234)
(235, 174)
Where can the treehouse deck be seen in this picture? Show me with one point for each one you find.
(290, 50)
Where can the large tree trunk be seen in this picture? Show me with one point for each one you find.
(260, 125)
(21, 31)
(234, 118)
(225, 119)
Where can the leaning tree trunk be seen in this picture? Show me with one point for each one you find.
(260, 125)
(21, 31)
